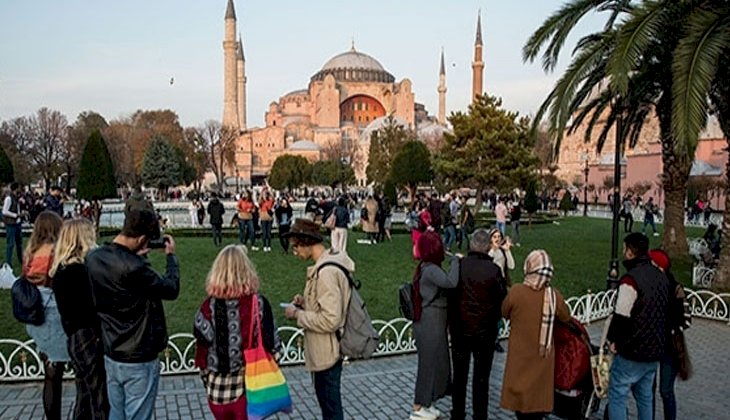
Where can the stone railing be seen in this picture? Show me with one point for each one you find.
(19, 360)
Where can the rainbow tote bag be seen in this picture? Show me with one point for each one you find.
(266, 390)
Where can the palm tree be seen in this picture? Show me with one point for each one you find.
(701, 76)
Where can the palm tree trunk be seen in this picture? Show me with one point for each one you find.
(676, 173)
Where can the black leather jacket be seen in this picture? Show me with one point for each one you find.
(128, 297)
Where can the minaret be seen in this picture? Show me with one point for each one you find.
(477, 65)
(442, 91)
(241, 67)
(230, 109)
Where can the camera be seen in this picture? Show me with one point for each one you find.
(158, 243)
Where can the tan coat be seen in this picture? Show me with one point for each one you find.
(326, 295)
(370, 225)
(528, 378)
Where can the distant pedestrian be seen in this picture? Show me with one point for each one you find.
(650, 210)
(627, 210)
(474, 315)
(215, 213)
(283, 215)
(222, 331)
(423, 217)
(501, 253)
(515, 216)
(200, 209)
(501, 213)
(450, 218)
(246, 230)
(466, 224)
(54, 201)
(338, 236)
(369, 220)
(433, 375)
(532, 308)
(12, 219)
(81, 324)
(266, 217)
(435, 209)
(193, 211)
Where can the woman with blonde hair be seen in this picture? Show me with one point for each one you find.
(221, 329)
(49, 336)
(79, 319)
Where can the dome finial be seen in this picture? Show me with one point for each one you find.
(352, 46)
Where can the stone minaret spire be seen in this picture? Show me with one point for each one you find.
(477, 65)
(230, 100)
(442, 91)
(241, 74)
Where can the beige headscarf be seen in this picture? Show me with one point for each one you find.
(538, 274)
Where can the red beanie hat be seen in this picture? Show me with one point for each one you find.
(660, 258)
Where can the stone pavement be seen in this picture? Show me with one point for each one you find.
(383, 388)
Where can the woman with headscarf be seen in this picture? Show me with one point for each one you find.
(532, 308)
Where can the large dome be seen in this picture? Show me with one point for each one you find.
(354, 66)
(352, 60)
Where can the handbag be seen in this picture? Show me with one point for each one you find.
(601, 365)
(681, 355)
(331, 221)
(267, 392)
(27, 302)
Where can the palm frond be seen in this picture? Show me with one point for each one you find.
(695, 65)
(634, 37)
(554, 31)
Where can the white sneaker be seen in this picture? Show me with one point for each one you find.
(422, 414)
(254, 248)
(267, 249)
(656, 234)
(434, 412)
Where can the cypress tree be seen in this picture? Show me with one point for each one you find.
(96, 170)
(6, 168)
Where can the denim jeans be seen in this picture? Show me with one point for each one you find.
(648, 222)
(246, 231)
(14, 238)
(667, 376)
(516, 231)
(449, 236)
(217, 234)
(132, 388)
(327, 387)
(266, 232)
(501, 226)
(637, 377)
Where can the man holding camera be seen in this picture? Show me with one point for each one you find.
(128, 296)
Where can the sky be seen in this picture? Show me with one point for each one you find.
(115, 57)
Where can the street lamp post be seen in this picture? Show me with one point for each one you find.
(585, 185)
(238, 190)
(612, 279)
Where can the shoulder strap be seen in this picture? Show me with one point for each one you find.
(353, 283)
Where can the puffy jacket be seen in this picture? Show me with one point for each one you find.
(128, 297)
(475, 305)
(326, 296)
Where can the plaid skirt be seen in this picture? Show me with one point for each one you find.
(223, 388)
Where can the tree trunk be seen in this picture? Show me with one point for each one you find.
(676, 173)
(479, 201)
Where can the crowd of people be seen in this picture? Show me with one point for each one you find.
(104, 313)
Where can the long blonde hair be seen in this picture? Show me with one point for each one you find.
(76, 239)
(45, 231)
(232, 274)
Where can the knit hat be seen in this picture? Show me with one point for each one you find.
(660, 258)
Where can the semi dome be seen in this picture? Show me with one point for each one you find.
(354, 66)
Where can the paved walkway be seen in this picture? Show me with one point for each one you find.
(383, 388)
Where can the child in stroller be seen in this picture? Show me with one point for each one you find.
(574, 396)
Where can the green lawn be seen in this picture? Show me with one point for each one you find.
(579, 248)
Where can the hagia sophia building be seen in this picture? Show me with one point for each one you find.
(333, 117)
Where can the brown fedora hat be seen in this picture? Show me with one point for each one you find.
(304, 228)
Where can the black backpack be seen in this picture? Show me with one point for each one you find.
(27, 302)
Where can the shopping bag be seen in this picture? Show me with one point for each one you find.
(267, 392)
(601, 365)
(7, 278)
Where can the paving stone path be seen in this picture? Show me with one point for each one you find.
(383, 388)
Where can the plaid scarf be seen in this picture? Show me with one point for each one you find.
(538, 273)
